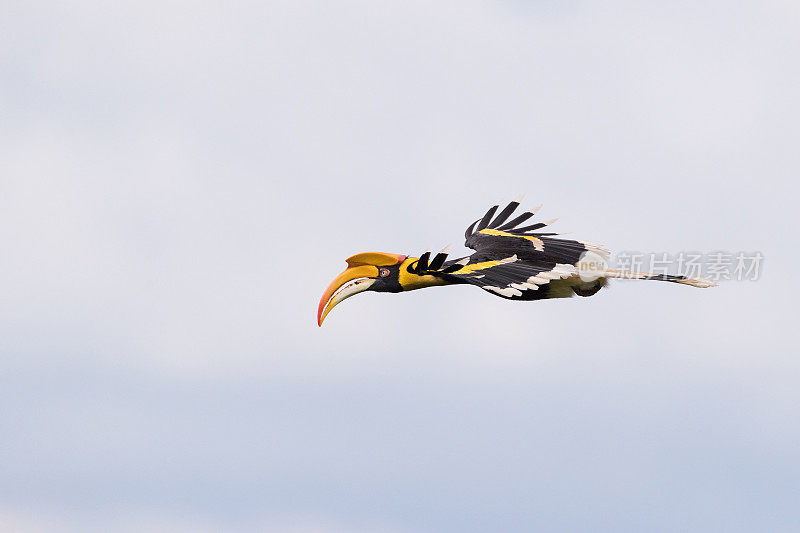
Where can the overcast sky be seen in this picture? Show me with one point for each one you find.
(180, 181)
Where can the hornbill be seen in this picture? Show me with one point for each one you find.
(512, 261)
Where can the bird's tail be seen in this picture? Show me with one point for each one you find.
(683, 280)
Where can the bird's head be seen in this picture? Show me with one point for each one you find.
(368, 271)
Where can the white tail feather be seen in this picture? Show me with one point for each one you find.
(630, 274)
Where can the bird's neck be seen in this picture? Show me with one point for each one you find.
(410, 281)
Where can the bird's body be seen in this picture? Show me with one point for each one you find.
(512, 261)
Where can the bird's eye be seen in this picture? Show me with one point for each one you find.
(384, 272)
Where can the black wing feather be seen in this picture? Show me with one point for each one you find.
(504, 214)
(487, 217)
(517, 221)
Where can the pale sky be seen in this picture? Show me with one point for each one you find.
(180, 181)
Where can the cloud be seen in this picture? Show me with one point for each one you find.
(181, 181)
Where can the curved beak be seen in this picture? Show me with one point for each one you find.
(352, 281)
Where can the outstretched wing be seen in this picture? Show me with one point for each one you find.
(517, 279)
(494, 233)
(517, 262)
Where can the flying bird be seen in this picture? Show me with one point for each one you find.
(511, 260)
